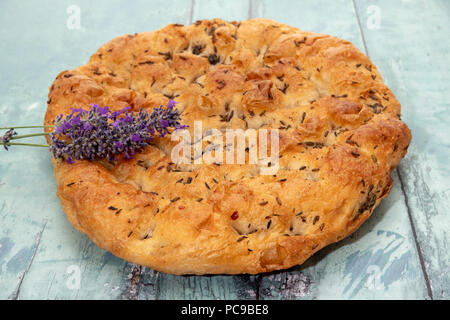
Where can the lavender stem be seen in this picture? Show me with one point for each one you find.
(24, 144)
(25, 127)
(30, 135)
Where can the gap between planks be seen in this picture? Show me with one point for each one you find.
(134, 284)
(16, 293)
(402, 187)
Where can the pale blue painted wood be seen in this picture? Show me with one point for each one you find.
(385, 243)
(227, 10)
(36, 46)
(379, 261)
(412, 49)
(336, 17)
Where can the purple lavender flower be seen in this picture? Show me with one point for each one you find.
(171, 103)
(86, 126)
(101, 110)
(7, 137)
(115, 114)
(101, 133)
(136, 138)
(79, 110)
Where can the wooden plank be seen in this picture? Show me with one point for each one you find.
(24, 200)
(336, 18)
(204, 287)
(39, 248)
(378, 261)
(411, 48)
(40, 252)
(227, 10)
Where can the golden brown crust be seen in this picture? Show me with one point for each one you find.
(340, 138)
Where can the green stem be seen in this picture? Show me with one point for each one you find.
(29, 135)
(24, 144)
(24, 127)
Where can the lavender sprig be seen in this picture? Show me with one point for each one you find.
(101, 133)
(7, 137)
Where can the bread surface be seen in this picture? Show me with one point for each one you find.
(339, 129)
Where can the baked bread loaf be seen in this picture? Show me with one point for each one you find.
(340, 136)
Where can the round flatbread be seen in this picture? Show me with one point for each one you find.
(340, 136)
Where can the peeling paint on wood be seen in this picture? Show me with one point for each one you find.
(402, 252)
(415, 34)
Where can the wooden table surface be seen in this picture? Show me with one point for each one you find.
(401, 252)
